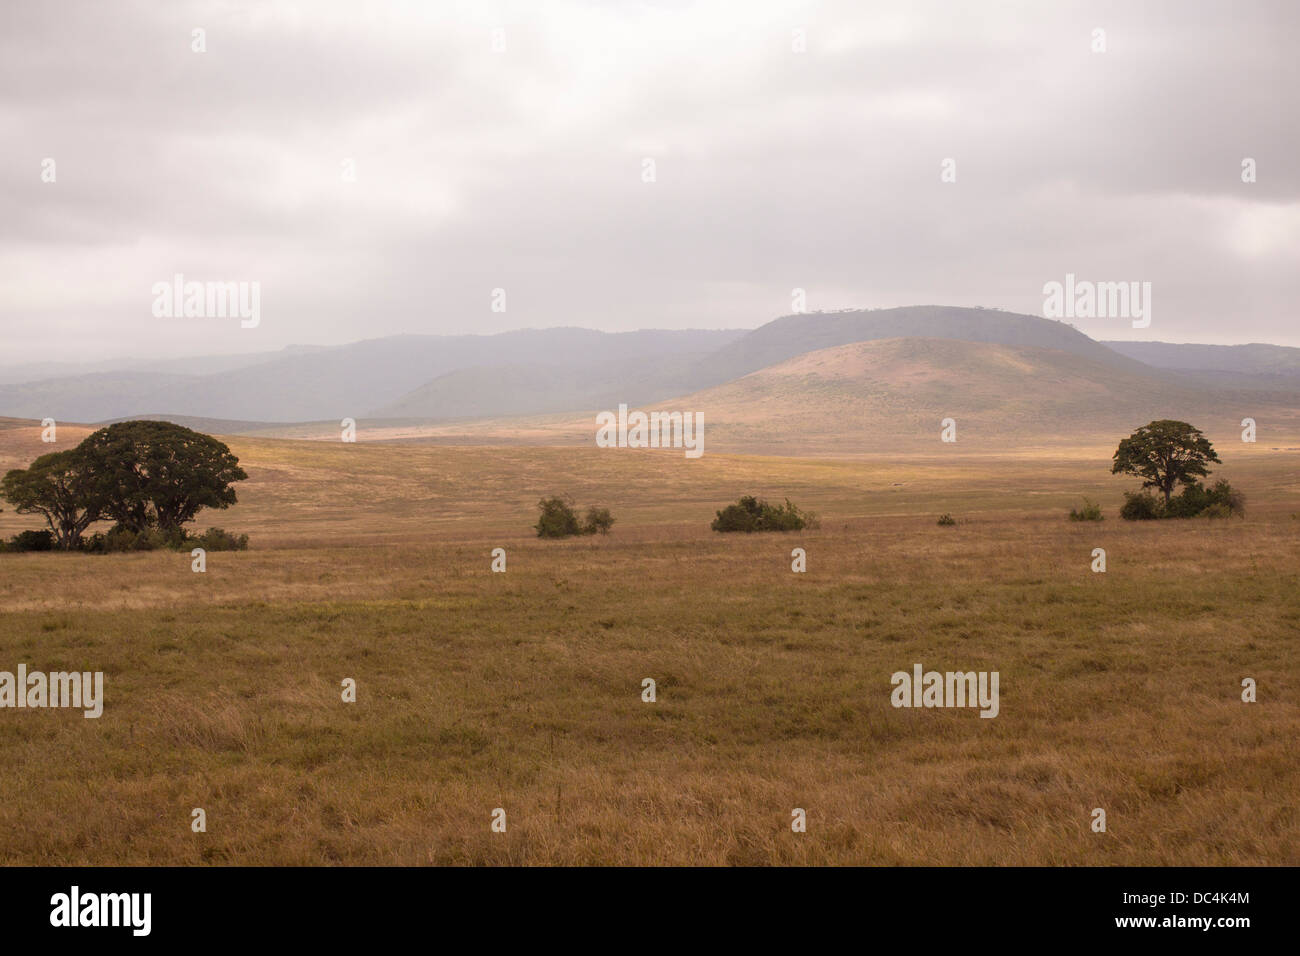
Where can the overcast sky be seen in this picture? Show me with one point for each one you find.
(522, 169)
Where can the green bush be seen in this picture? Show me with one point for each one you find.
(119, 539)
(1140, 506)
(1189, 503)
(751, 514)
(1195, 500)
(739, 517)
(598, 520)
(31, 541)
(558, 519)
(947, 519)
(215, 539)
(1090, 511)
(1228, 498)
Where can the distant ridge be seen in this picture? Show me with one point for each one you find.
(1247, 366)
(793, 335)
(532, 372)
(343, 381)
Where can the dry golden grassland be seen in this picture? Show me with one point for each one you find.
(523, 690)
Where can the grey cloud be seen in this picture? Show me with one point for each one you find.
(522, 170)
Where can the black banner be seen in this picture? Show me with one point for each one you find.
(144, 906)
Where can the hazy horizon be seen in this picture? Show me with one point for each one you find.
(127, 359)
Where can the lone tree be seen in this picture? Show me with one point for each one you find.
(62, 487)
(156, 473)
(1165, 454)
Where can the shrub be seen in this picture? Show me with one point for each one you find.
(124, 539)
(1140, 506)
(558, 519)
(32, 541)
(1195, 500)
(751, 514)
(120, 539)
(1191, 501)
(1231, 500)
(598, 520)
(742, 516)
(1090, 511)
(215, 539)
(947, 519)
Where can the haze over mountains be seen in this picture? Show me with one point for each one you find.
(807, 374)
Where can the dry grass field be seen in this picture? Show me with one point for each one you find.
(521, 690)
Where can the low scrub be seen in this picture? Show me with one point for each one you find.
(1141, 506)
(1221, 500)
(559, 520)
(29, 541)
(1088, 511)
(119, 540)
(751, 514)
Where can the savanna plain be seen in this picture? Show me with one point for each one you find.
(522, 690)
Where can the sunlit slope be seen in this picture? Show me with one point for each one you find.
(896, 389)
(893, 394)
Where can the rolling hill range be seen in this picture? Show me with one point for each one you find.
(1244, 366)
(350, 380)
(535, 388)
(885, 391)
(819, 380)
(892, 394)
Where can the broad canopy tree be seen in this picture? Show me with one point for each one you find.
(60, 488)
(160, 474)
(1164, 454)
(141, 474)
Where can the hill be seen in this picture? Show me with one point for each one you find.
(344, 381)
(1256, 365)
(793, 335)
(892, 394)
(870, 394)
(416, 383)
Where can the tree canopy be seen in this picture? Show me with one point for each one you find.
(140, 474)
(62, 488)
(1164, 454)
(157, 473)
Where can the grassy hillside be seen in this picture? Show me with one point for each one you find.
(794, 335)
(881, 393)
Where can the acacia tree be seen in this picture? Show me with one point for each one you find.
(62, 487)
(156, 473)
(1164, 454)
